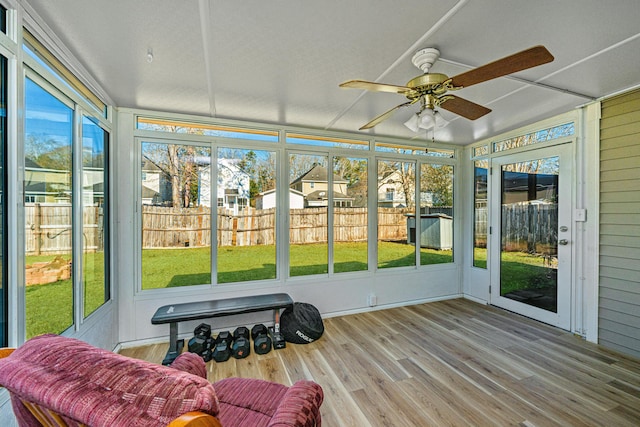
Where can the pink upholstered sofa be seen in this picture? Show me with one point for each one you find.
(57, 381)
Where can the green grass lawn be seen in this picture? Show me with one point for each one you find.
(163, 268)
(49, 307)
(519, 270)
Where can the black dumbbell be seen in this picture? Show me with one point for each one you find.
(261, 339)
(221, 350)
(202, 329)
(197, 344)
(201, 342)
(241, 346)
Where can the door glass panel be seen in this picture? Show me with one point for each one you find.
(529, 220)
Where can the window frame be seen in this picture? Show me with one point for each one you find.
(282, 149)
(43, 77)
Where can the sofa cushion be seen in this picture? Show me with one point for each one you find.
(191, 363)
(101, 388)
(258, 403)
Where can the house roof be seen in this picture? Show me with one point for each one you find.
(148, 193)
(323, 195)
(318, 174)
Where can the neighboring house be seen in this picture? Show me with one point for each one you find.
(390, 192)
(45, 185)
(232, 186)
(156, 187)
(267, 199)
(314, 185)
(149, 196)
(92, 186)
(517, 187)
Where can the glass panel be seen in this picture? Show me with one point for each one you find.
(3, 205)
(246, 194)
(308, 203)
(48, 213)
(436, 214)
(324, 141)
(543, 135)
(528, 257)
(482, 150)
(94, 207)
(350, 214)
(396, 199)
(176, 215)
(410, 149)
(480, 218)
(44, 57)
(162, 125)
(3, 19)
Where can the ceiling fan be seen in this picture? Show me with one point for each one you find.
(431, 89)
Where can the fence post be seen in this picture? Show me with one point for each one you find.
(37, 232)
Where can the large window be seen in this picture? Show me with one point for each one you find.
(436, 214)
(396, 201)
(48, 211)
(480, 222)
(308, 214)
(201, 183)
(246, 212)
(350, 214)
(183, 192)
(176, 191)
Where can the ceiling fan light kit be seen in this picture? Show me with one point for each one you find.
(431, 89)
(413, 123)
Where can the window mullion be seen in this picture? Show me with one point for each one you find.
(77, 223)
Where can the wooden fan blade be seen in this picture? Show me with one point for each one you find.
(375, 87)
(464, 108)
(529, 58)
(385, 116)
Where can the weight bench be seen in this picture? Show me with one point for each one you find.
(175, 313)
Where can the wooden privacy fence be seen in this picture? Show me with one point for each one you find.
(164, 227)
(48, 228)
(529, 228)
(526, 227)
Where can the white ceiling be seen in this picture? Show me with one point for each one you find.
(281, 61)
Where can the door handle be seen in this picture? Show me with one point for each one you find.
(563, 242)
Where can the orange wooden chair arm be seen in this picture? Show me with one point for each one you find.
(6, 351)
(195, 419)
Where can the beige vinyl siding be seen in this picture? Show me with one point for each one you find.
(619, 301)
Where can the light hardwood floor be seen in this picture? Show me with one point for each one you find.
(454, 363)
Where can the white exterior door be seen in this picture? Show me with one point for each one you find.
(532, 234)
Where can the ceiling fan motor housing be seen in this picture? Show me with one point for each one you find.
(424, 58)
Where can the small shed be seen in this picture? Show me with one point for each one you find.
(436, 231)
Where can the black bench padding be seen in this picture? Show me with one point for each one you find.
(218, 308)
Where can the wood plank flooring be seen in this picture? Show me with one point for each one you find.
(449, 363)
